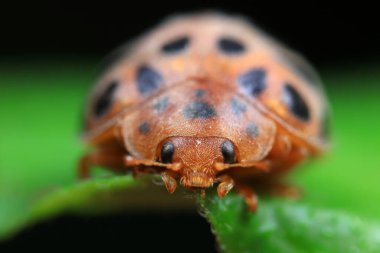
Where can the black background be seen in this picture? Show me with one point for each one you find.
(325, 31)
(122, 232)
(328, 33)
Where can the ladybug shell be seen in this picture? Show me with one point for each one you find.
(207, 75)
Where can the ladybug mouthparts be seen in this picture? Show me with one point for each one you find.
(197, 180)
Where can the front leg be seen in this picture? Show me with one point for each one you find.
(249, 196)
(168, 171)
(108, 158)
(278, 188)
(148, 166)
(227, 183)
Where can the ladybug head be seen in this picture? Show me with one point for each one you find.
(195, 160)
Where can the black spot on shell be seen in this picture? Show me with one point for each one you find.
(144, 128)
(200, 110)
(252, 130)
(167, 152)
(148, 80)
(230, 45)
(176, 45)
(199, 93)
(253, 81)
(161, 105)
(295, 103)
(105, 100)
(228, 152)
(238, 107)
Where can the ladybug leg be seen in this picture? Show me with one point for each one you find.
(249, 196)
(263, 166)
(296, 156)
(110, 159)
(131, 161)
(146, 166)
(282, 189)
(284, 155)
(169, 180)
(83, 171)
(168, 171)
(226, 184)
(257, 165)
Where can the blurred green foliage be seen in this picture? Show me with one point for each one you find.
(41, 107)
(285, 226)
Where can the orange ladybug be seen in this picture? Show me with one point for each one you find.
(206, 99)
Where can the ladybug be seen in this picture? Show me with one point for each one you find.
(206, 99)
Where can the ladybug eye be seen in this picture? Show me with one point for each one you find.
(167, 152)
(228, 152)
(105, 100)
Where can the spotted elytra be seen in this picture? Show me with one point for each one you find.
(206, 99)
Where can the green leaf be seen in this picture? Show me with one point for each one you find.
(77, 198)
(285, 226)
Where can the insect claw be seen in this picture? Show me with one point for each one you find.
(169, 181)
(225, 186)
